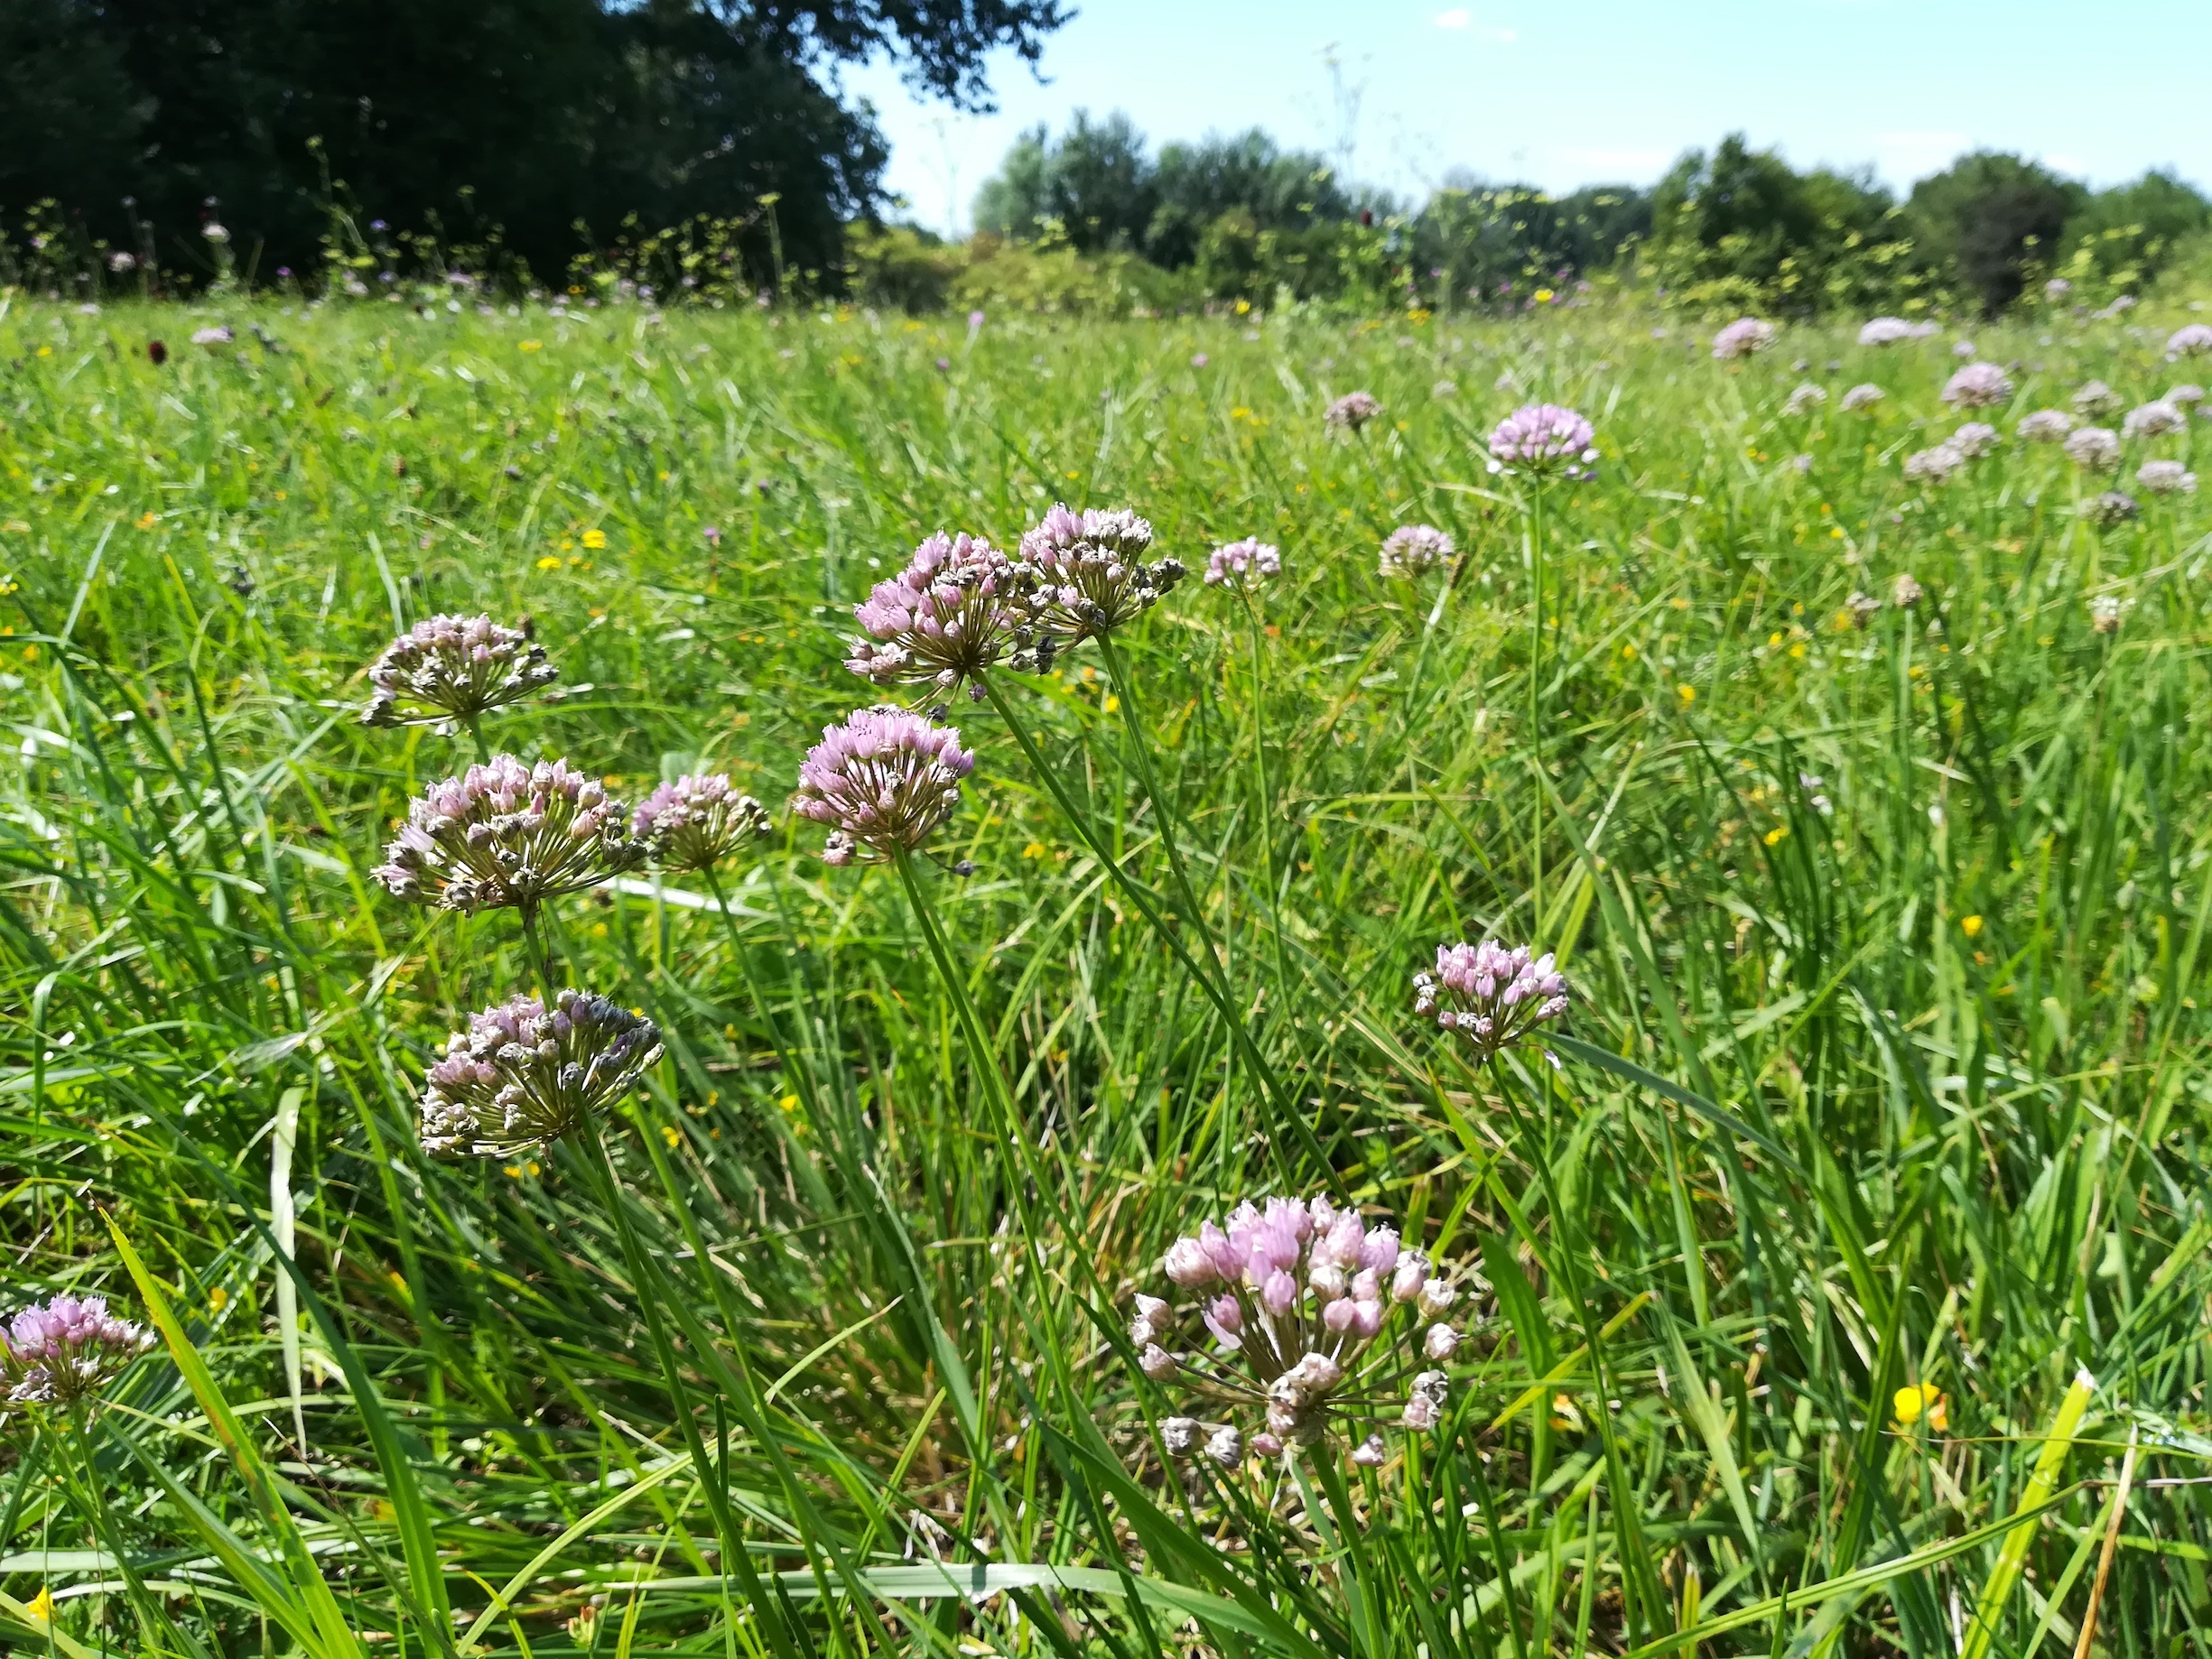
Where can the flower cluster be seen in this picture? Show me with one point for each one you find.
(1862, 608)
(59, 1352)
(2112, 508)
(1493, 996)
(521, 1077)
(508, 833)
(1351, 411)
(1864, 396)
(697, 821)
(2158, 419)
(884, 780)
(1890, 330)
(2095, 448)
(2191, 340)
(2096, 400)
(1090, 570)
(1804, 400)
(1296, 1298)
(1247, 564)
(1974, 439)
(1413, 550)
(2045, 426)
(1542, 437)
(1906, 591)
(960, 607)
(2187, 396)
(1935, 465)
(2105, 610)
(1978, 386)
(1742, 337)
(2166, 478)
(453, 668)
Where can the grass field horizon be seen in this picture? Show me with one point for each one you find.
(1837, 1284)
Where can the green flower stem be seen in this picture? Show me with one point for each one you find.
(475, 724)
(1148, 903)
(1264, 811)
(1535, 499)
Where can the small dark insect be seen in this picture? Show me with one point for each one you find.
(514, 472)
(241, 582)
(966, 866)
(157, 354)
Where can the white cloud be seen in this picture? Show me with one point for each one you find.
(1458, 17)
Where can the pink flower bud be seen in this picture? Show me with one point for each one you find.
(1366, 1319)
(1411, 1275)
(1156, 1363)
(1280, 1294)
(1338, 1315)
(1368, 1452)
(1177, 1434)
(1379, 1253)
(1421, 1414)
(1228, 1313)
(1441, 1342)
(1188, 1264)
(1365, 1286)
(1327, 1280)
(1436, 1297)
(1267, 1446)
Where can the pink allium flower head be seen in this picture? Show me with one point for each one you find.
(2113, 507)
(1248, 564)
(56, 1353)
(2057, 288)
(1862, 397)
(2154, 420)
(1412, 549)
(2191, 340)
(2096, 400)
(1964, 349)
(2045, 426)
(1862, 608)
(1351, 411)
(1298, 1300)
(1934, 466)
(960, 608)
(521, 1077)
(884, 780)
(1978, 386)
(453, 668)
(697, 821)
(214, 339)
(508, 834)
(2187, 396)
(1492, 997)
(1744, 337)
(1543, 438)
(2166, 478)
(1804, 400)
(1884, 331)
(1090, 571)
(2093, 449)
(1975, 439)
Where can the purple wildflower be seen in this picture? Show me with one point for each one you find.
(521, 1077)
(2045, 426)
(1934, 466)
(1974, 439)
(1804, 400)
(960, 607)
(1978, 386)
(884, 780)
(2191, 340)
(1890, 330)
(2166, 478)
(697, 821)
(59, 1352)
(214, 339)
(2187, 396)
(1541, 438)
(1090, 570)
(1493, 996)
(1862, 608)
(1248, 564)
(1351, 411)
(453, 668)
(2096, 400)
(2093, 449)
(2113, 507)
(1744, 337)
(1298, 1299)
(2158, 419)
(507, 833)
(1413, 550)
(1862, 397)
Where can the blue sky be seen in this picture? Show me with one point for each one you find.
(1562, 95)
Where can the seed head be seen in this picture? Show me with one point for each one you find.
(507, 834)
(884, 780)
(697, 821)
(453, 668)
(1493, 996)
(520, 1077)
(56, 1353)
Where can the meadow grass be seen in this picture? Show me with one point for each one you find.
(1885, 1069)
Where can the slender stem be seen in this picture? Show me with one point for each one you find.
(1148, 903)
(86, 1490)
(1264, 812)
(535, 949)
(1140, 758)
(475, 724)
(1535, 498)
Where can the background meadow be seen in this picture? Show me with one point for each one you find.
(1886, 940)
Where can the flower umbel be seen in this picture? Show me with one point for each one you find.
(1493, 996)
(1297, 1298)
(1090, 570)
(453, 668)
(1413, 550)
(960, 607)
(1543, 438)
(508, 833)
(1351, 411)
(884, 780)
(1742, 337)
(1248, 564)
(2045, 426)
(521, 1077)
(59, 1352)
(1977, 387)
(697, 821)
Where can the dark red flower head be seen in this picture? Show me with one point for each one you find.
(157, 354)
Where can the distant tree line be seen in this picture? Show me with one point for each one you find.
(1734, 226)
(526, 132)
